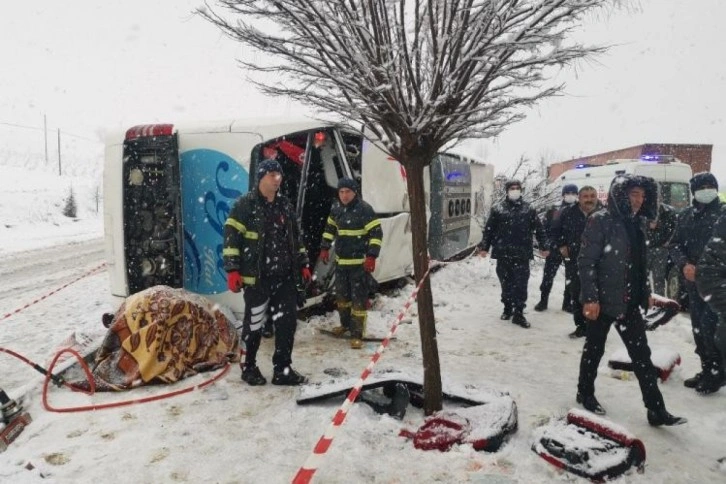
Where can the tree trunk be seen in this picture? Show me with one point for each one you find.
(427, 324)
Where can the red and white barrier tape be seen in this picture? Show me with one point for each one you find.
(307, 471)
(95, 269)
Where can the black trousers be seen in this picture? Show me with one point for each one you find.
(552, 263)
(513, 276)
(351, 298)
(275, 299)
(572, 285)
(704, 323)
(631, 328)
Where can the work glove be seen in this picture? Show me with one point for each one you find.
(234, 281)
(370, 264)
(324, 256)
(306, 275)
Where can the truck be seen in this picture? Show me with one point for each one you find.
(672, 178)
(168, 189)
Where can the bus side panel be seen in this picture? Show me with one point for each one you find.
(482, 193)
(113, 225)
(451, 206)
(214, 173)
(395, 260)
(384, 181)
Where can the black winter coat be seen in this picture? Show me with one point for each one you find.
(711, 269)
(244, 236)
(509, 230)
(606, 258)
(550, 219)
(662, 234)
(567, 230)
(693, 231)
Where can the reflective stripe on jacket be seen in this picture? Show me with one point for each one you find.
(244, 236)
(356, 230)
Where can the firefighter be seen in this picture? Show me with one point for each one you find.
(356, 230)
(264, 254)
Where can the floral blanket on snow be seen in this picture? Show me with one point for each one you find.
(162, 335)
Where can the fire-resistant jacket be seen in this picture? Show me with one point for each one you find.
(356, 230)
(244, 236)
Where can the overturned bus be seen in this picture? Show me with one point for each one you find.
(168, 189)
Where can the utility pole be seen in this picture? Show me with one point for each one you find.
(45, 135)
(59, 154)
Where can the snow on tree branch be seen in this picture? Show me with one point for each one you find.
(412, 71)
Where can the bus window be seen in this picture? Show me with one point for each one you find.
(320, 191)
(353, 146)
(289, 152)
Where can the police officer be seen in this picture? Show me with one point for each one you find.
(710, 277)
(357, 233)
(554, 259)
(509, 231)
(694, 229)
(263, 254)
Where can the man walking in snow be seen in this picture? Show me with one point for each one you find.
(356, 230)
(694, 229)
(612, 270)
(264, 255)
(509, 230)
(554, 259)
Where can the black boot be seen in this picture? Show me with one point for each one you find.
(253, 376)
(519, 319)
(693, 381)
(288, 376)
(711, 382)
(268, 331)
(590, 403)
(661, 417)
(542, 304)
(578, 333)
(506, 314)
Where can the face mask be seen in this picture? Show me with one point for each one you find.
(514, 195)
(570, 199)
(706, 195)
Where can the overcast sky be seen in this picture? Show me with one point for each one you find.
(92, 66)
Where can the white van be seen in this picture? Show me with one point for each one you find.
(168, 189)
(671, 175)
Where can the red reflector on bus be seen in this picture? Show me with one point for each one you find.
(145, 130)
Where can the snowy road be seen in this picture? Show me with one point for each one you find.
(23, 272)
(38, 329)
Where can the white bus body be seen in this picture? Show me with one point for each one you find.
(168, 190)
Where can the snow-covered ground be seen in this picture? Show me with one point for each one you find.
(230, 432)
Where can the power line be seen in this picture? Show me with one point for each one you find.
(66, 133)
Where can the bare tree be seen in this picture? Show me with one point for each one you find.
(418, 74)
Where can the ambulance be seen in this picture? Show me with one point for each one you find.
(671, 175)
